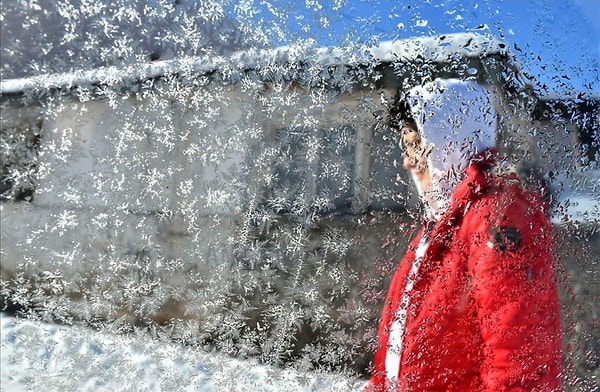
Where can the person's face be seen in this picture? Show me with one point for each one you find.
(416, 153)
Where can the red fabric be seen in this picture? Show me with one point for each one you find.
(484, 311)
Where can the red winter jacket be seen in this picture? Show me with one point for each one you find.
(483, 313)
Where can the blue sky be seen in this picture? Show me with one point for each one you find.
(557, 42)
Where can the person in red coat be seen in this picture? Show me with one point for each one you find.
(473, 305)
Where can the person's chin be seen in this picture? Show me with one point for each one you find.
(418, 174)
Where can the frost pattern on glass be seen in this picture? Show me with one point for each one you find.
(172, 174)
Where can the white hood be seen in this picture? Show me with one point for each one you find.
(458, 118)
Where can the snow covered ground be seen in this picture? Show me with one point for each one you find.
(46, 357)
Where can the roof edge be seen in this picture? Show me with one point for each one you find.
(437, 49)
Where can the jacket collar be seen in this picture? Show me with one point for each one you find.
(472, 187)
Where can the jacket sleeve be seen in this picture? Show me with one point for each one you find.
(514, 291)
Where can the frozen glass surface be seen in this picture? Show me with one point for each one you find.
(229, 177)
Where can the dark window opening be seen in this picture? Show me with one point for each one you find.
(312, 171)
(19, 148)
(584, 114)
